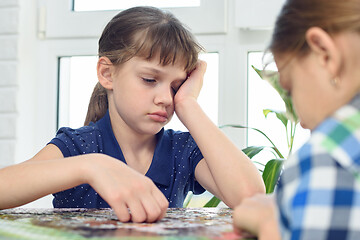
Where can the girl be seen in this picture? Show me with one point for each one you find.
(148, 69)
(316, 46)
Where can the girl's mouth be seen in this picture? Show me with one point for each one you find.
(158, 116)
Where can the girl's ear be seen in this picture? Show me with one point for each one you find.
(105, 72)
(325, 49)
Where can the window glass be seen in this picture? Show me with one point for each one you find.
(261, 95)
(209, 17)
(78, 78)
(96, 5)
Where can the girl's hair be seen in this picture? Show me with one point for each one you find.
(145, 32)
(297, 16)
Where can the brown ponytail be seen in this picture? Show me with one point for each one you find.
(98, 104)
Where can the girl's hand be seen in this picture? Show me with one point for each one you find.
(190, 89)
(133, 196)
(257, 215)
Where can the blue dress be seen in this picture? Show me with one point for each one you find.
(172, 169)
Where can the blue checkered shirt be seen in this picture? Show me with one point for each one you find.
(319, 192)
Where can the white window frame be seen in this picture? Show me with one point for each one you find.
(92, 23)
(257, 14)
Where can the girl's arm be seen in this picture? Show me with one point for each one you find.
(226, 172)
(119, 185)
(32, 179)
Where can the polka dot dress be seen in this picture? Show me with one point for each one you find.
(172, 169)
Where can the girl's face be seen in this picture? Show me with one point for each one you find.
(310, 88)
(143, 93)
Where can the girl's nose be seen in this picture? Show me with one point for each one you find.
(164, 97)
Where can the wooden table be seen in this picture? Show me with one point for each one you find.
(180, 223)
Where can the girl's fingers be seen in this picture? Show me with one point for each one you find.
(137, 210)
(152, 209)
(160, 198)
(254, 212)
(162, 202)
(242, 221)
(192, 86)
(129, 191)
(122, 212)
(202, 67)
(148, 206)
(155, 204)
(199, 72)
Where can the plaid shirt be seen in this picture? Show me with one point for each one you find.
(319, 192)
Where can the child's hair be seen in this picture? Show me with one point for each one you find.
(297, 16)
(145, 32)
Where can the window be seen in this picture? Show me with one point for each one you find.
(207, 18)
(77, 80)
(79, 72)
(95, 5)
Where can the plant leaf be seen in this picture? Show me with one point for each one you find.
(213, 202)
(272, 77)
(187, 199)
(266, 112)
(241, 126)
(282, 117)
(271, 174)
(253, 150)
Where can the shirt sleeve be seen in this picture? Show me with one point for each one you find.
(323, 204)
(73, 142)
(64, 141)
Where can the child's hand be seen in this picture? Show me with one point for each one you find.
(190, 89)
(257, 215)
(125, 189)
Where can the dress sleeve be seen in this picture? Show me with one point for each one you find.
(64, 141)
(73, 142)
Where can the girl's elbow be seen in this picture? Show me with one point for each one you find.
(255, 187)
(246, 192)
(258, 188)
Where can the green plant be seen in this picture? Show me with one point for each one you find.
(289, 119)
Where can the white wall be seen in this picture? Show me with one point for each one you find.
(32, 90)
(9, 35)
(17, 82)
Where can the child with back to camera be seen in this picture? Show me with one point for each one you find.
(122, 158)
(316, 46)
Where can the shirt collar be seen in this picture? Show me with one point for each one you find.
(110, 144)
(340, 135)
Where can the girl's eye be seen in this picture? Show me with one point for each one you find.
(149, 80)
